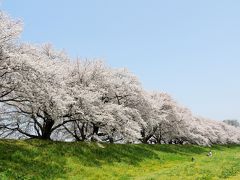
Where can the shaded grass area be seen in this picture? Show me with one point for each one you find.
(35, 159)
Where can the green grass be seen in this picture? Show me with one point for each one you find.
(34, 159)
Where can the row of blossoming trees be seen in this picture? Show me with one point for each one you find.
(44, 94)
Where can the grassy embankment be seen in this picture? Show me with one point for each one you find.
(59, 160)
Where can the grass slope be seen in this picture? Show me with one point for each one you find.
(58, 160)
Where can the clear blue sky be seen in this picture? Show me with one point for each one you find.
(190, 49)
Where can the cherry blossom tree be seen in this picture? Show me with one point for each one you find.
(102, 103)
(41, 100)
(9, 32)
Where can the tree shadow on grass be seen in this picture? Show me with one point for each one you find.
(91, 154)
(19, 161)
(186, 150)
(224, 147)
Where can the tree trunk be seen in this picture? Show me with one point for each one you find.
(111, 139)
(47, 129)
(95, 129)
